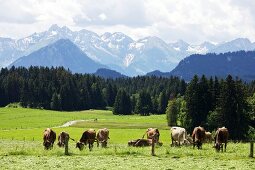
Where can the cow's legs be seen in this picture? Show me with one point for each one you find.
(172, 142)
(225, 146)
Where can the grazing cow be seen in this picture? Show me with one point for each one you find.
(63, 137)
(89, 136)
(198, 136)
(49, 137)
(153, 133)
(142, 142)
(221, 136)
(102, 137)
(208, 137)
(179, 136)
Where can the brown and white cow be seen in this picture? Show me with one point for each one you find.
(198, 137)
(63, 138)
(152, 133)
(49, 137)
(221, 137)
(142, 142)
(178, 136)
(208, 137)
(88, 137)
(102, 137)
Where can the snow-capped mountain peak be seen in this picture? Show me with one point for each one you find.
(54, 27)
(117, 50)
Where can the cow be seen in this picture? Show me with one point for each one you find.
(178, 135)
(221, 136)
(102, 137)
(142, 142)
(49, 137)
(88, 137)
(153, 133)
(198, 137)
(208, 137)
(63, 137)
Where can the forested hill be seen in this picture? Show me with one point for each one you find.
(107, 73)
(240, 64)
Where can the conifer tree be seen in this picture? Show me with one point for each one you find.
(162, 102)
(233, 108)
(122, 104)
(172, 112)
(55, 102)
(143, 104)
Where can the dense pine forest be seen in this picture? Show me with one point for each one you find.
(209, 102)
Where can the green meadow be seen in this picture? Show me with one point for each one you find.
(21, 143)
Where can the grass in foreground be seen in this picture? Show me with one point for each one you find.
(30, 155)
(25, 151)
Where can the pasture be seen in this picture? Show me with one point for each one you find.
(21, 144)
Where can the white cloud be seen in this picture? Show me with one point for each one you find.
(102, 16)
(193, 21)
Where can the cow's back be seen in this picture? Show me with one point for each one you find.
(91, 135)
(52, 136)
(103, 134)
(151, 132)
(198, 133)
(222, 135)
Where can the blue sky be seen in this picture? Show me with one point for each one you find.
(193, 21)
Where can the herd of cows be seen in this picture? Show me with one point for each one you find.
(178, 134)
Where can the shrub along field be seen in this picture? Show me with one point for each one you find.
(21, 143)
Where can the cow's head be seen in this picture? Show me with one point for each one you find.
(160, 143)
(217, 146)
(47, 144)
(61, 144)
(132, 142)
(104, 144)
(80, 145)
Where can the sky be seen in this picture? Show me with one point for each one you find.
(194, 21)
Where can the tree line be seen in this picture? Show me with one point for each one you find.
(59, 89)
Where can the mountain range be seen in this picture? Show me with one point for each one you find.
(238, 64)
(60, 53)
(117, 51)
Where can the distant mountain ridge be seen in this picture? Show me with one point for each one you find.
(108, 74)
(158, 73)
(117, 50)
(60, 53)
(240, 64)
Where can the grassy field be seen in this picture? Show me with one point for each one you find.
(21, 144)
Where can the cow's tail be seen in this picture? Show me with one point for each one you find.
(145, 134)
(72, 139)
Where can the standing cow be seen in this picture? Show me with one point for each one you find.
(198, 137)
(208, 137)
(49, 137)
(153, 133)
(63, 138)
(221, 136)
(179, 136)
(102, 137)
(89, 136)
